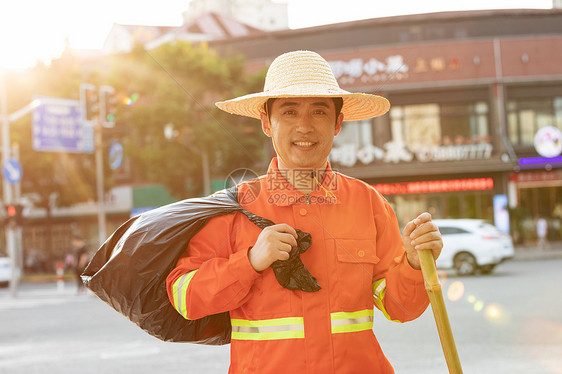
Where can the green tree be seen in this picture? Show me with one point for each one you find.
(177, 85)
(48, 177)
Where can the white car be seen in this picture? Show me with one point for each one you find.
(5, 269)
(471, 245)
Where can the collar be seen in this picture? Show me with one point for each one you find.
(283, 193)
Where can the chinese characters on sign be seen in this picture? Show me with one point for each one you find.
(435, 64)
(58, 127)
(348, 154)
(372, 70)
(392, 68)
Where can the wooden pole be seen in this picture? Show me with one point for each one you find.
(433, 288)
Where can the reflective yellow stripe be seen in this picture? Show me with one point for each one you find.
(379, 290)
(352, 321)
(179, 290)
(268, 329)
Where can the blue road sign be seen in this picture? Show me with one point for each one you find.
(12, 171)
(58, 126)
(139, 210)
(115, 156)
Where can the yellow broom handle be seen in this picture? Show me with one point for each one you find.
(433, 288)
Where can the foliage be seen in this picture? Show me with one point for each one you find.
(176, 83)
(46, 175)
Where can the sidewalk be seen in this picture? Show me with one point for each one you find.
(530, 252)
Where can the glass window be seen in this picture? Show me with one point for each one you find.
(527, 124)
(431, 125)
(558, 112)
(513, 127)
(451, 230)
(359, 133)
(421, 126)
(526, 117)
(444, 230)
(465, 123)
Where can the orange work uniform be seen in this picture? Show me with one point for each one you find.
(356, 255)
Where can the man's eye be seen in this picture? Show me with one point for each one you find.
(289, 112)
(320, 111)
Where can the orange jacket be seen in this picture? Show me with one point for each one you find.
(356, 255)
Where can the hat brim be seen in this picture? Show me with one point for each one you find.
(356, 106)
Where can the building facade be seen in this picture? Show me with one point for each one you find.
(469, 92)
(261, 14)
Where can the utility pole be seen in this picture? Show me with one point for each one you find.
(93, 110)
(99, 176)
(7, 188)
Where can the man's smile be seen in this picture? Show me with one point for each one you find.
(304, 144)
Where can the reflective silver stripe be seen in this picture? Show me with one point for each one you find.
(380, 287)
(346, 322)
(268, 329)
(262, 329)
(352, 321)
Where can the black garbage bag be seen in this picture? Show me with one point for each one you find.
(129, 270)
(292, 273)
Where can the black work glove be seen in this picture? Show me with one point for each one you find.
(291, 273)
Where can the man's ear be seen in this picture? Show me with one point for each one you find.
(265, 124)
(339, 121)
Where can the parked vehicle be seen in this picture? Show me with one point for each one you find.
(471, 245)
(5, 269)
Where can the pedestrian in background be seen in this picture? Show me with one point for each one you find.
(542, 234)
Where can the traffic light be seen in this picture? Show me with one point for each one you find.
(14, 213)
(108, 102)
(89, 101)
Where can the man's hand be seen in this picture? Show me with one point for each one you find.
(421, 233)
(274, 243)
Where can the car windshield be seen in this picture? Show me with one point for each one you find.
(489, 228)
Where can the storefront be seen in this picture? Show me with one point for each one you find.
(538, 194)
(469, 92)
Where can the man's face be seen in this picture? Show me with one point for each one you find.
(303, 131)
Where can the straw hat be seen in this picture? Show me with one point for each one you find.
(305, 74)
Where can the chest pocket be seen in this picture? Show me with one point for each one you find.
(356, 260)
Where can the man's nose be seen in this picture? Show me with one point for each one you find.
(305, 123)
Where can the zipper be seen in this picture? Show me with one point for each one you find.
(307, 197)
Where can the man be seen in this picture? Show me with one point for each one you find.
(357, 254)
